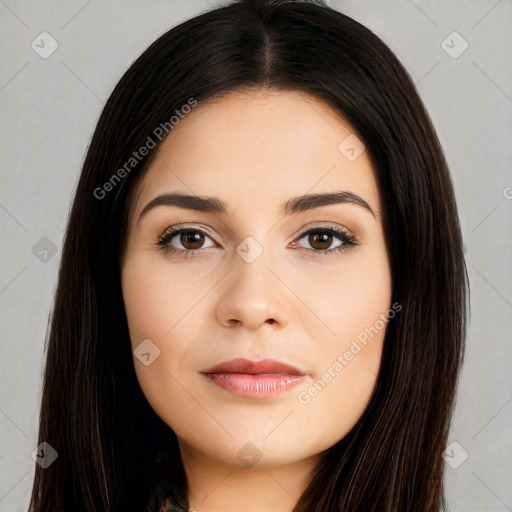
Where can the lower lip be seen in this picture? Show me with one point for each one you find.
(255, 386)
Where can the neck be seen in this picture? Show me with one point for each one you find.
(214, 485)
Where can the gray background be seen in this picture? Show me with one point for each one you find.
(49, 108)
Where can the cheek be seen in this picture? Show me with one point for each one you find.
(353, 307)
(157, 300)
(158, 311)
(336, 400)
(346, 374)
(344, 298)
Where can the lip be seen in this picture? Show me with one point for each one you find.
(254, 379)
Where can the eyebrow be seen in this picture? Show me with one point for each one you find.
(292, 206)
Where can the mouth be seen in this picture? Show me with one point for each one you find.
(254, 379)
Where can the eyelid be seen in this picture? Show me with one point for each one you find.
(188, 227)
(329, 226)
(341, 232)
(214, 236)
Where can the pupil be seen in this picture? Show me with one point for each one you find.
(323, 239)
(191, 240)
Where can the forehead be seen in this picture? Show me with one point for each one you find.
(264, 146)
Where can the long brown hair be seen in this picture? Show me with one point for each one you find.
(114, 452)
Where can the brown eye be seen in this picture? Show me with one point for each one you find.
(185, 241)
(325, 241)
(191, 239)
(320, 240)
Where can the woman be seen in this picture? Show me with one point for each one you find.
(261, 301)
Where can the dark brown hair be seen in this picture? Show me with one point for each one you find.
(114, 452)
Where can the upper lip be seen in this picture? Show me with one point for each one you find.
(253, 367)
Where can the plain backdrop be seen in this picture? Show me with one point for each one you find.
(459, 55)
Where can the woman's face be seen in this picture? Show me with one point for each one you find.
(268, 269)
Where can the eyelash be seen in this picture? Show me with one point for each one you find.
(347, 239)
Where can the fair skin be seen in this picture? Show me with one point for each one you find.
(270, 300)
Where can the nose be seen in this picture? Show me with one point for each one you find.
(252, 296)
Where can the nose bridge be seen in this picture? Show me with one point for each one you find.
(252, 295)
